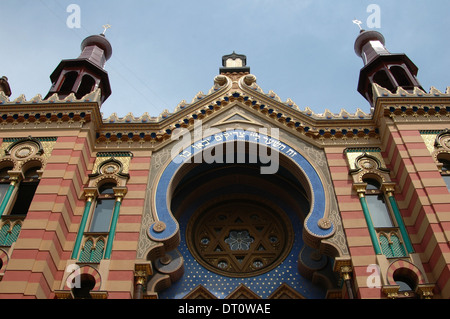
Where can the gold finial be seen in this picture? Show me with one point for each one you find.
(358, 23)
(105, 27)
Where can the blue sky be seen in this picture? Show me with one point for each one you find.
(166, 51)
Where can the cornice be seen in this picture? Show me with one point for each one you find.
(52, 111)
(416, 105)
(326, 128)
(55, 114)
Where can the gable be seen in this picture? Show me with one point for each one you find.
(242, 91)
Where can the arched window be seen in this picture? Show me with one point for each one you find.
(4, 181)
(87, 283)
(103, 195)
(68, 82)
(92, 251)
(445, 171)
(445, 164)
(447, 180)
(26, 191)
(377, 205)
(406, 279)
(389, 237)
(86, 86)
(381, 78)
(101, 218)
(391, 245)
(400, 76)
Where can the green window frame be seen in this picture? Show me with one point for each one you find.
(380, 221)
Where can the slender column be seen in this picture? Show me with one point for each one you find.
(112, 230)
(15, 177)
(343, 267)
(348, 281)
(119, 192)
(8, 194)
(389, 189)
(373, 234)
(90, 194)
(141, 273)
(139, 287)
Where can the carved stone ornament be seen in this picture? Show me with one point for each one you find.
(443, 140)
(23, 151)
(425, 290)
(391, 291)
(367, 163)
(110, 168)
(159, 226)
(324, 223)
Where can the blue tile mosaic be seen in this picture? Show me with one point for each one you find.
(263, 285)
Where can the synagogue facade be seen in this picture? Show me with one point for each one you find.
(236, 194)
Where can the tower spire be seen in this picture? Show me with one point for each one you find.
(386, 69)
(85, 73)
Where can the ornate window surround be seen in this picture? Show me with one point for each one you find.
(22, 154)
(19, 155)
(108, 168)
(369, 164)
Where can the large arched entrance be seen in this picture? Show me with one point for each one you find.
(236, 226)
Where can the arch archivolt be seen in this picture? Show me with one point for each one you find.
(373, 174)
(73, 273)
(104, 179)
(161, 227)
(367, 164)
(404, 266)
(8, 162)
(89, 270)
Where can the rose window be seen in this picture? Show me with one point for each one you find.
(239, 238)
